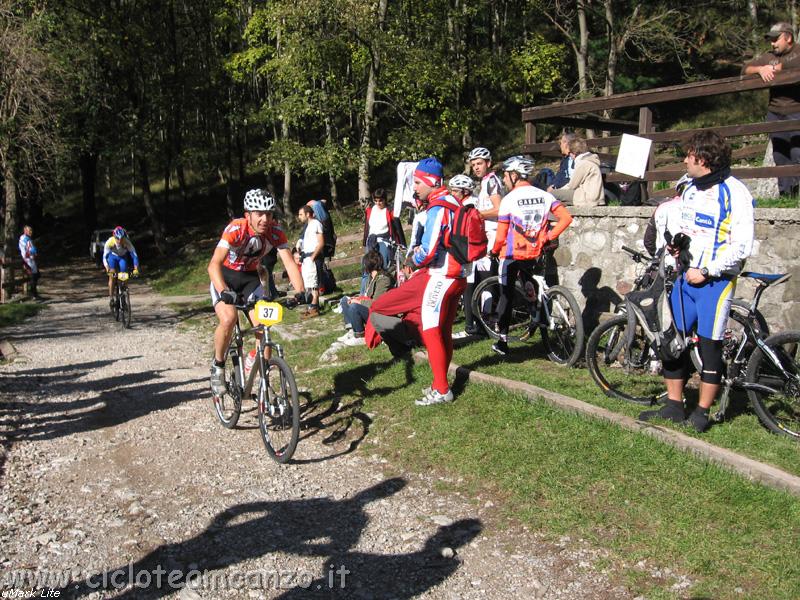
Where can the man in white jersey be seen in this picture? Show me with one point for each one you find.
(716, 213)
(488, 203)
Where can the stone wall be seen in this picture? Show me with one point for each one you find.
(593, 266)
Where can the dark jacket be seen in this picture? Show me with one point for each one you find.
(377, 286)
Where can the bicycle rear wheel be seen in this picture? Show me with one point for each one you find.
(563, 337)
(485, 299)
(228, 406)
(624, 371)
(778, 411)
(279, 410)
(125, 307)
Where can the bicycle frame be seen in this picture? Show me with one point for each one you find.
(541, 287)
(237, 345)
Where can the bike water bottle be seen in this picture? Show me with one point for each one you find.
(249, 361)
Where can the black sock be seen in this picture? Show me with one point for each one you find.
(219, 363)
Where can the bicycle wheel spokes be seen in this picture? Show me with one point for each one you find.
(125, 308)
(779, 411)
(563, 336)
(228, 406)
(279, 411)
(625, 371)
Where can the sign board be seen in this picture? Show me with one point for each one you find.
(634, 151)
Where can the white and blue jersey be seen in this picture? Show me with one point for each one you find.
(720, 223)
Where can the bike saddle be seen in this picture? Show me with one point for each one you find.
(767, 278)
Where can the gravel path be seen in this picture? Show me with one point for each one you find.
(112, 459)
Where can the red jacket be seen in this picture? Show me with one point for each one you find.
(395, 228)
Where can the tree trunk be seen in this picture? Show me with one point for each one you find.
(331, 176)
(752, 9)
(10, 228)
(583, 56)
(87, 162)
(182, 185)
(287, 178)
(369, 111)
(149, 207)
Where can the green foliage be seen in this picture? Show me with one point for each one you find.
(536, 68)
(17, 312)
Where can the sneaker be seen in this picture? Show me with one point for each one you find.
(460, 335)
(671, 411)
(698, 419)
(218, 387)
(435, 397)
(355, 340)
(347, 335)
(500, 347)
(337, 309)
(310, 313)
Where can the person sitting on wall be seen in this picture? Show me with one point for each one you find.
(585, 187)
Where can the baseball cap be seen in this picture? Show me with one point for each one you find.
(776, 30)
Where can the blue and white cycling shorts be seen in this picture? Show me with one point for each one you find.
(706, 306)
(120, 264)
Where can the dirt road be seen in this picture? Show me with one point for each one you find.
(116, 480)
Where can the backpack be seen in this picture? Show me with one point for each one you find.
(466, 239)
(329, 238)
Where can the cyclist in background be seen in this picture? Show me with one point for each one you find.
(234, 270)
(29, 256)
(523, 231)
(119, 255)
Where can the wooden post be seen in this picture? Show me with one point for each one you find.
(646, 126)
(6, 280)
(530, 132)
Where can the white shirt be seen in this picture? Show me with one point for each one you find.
(313, 227)
(378, 225)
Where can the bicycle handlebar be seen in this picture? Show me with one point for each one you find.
(636, 255)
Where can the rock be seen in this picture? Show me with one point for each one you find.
(442, 520)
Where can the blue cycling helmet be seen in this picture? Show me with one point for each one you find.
(119, 232)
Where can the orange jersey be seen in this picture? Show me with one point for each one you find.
(245, 247)
(523, 222)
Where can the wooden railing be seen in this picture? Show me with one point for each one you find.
(579, 113)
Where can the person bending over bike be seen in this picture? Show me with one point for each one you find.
(716, 213)
(119, 256)
(234, 270)
(523, 231)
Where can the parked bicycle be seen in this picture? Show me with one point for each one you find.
(623, 359)
(121, 307)
(554, 311)
(275, 393)
(398, 251)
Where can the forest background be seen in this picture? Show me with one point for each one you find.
(148, 107)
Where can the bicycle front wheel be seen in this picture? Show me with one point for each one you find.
(779, 410)
(563, 336)
(125, 308)
(279, 410)
(485, 301)
(626, 371)
(116, 308)
(228, 406)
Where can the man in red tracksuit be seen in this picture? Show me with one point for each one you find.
(429, 299)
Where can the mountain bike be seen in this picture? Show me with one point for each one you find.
(554, 311)
(275, 393)
(399, 253)
(121, 309)
(624, 363)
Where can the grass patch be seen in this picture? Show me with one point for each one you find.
(15, 313)
(561, 473)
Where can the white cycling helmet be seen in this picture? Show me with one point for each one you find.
(479, 153)
(461, 182)
(518, 164)
(682, 183)
(258, 200)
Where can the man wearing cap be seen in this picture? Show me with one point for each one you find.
(784, 100)
(429, 299)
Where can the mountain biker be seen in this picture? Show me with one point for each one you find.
(716, 213)
(234, 270)
(488, 203)
(523, 232)
(29, 255)
(119, 255)
(431, 295)
(462, 188)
